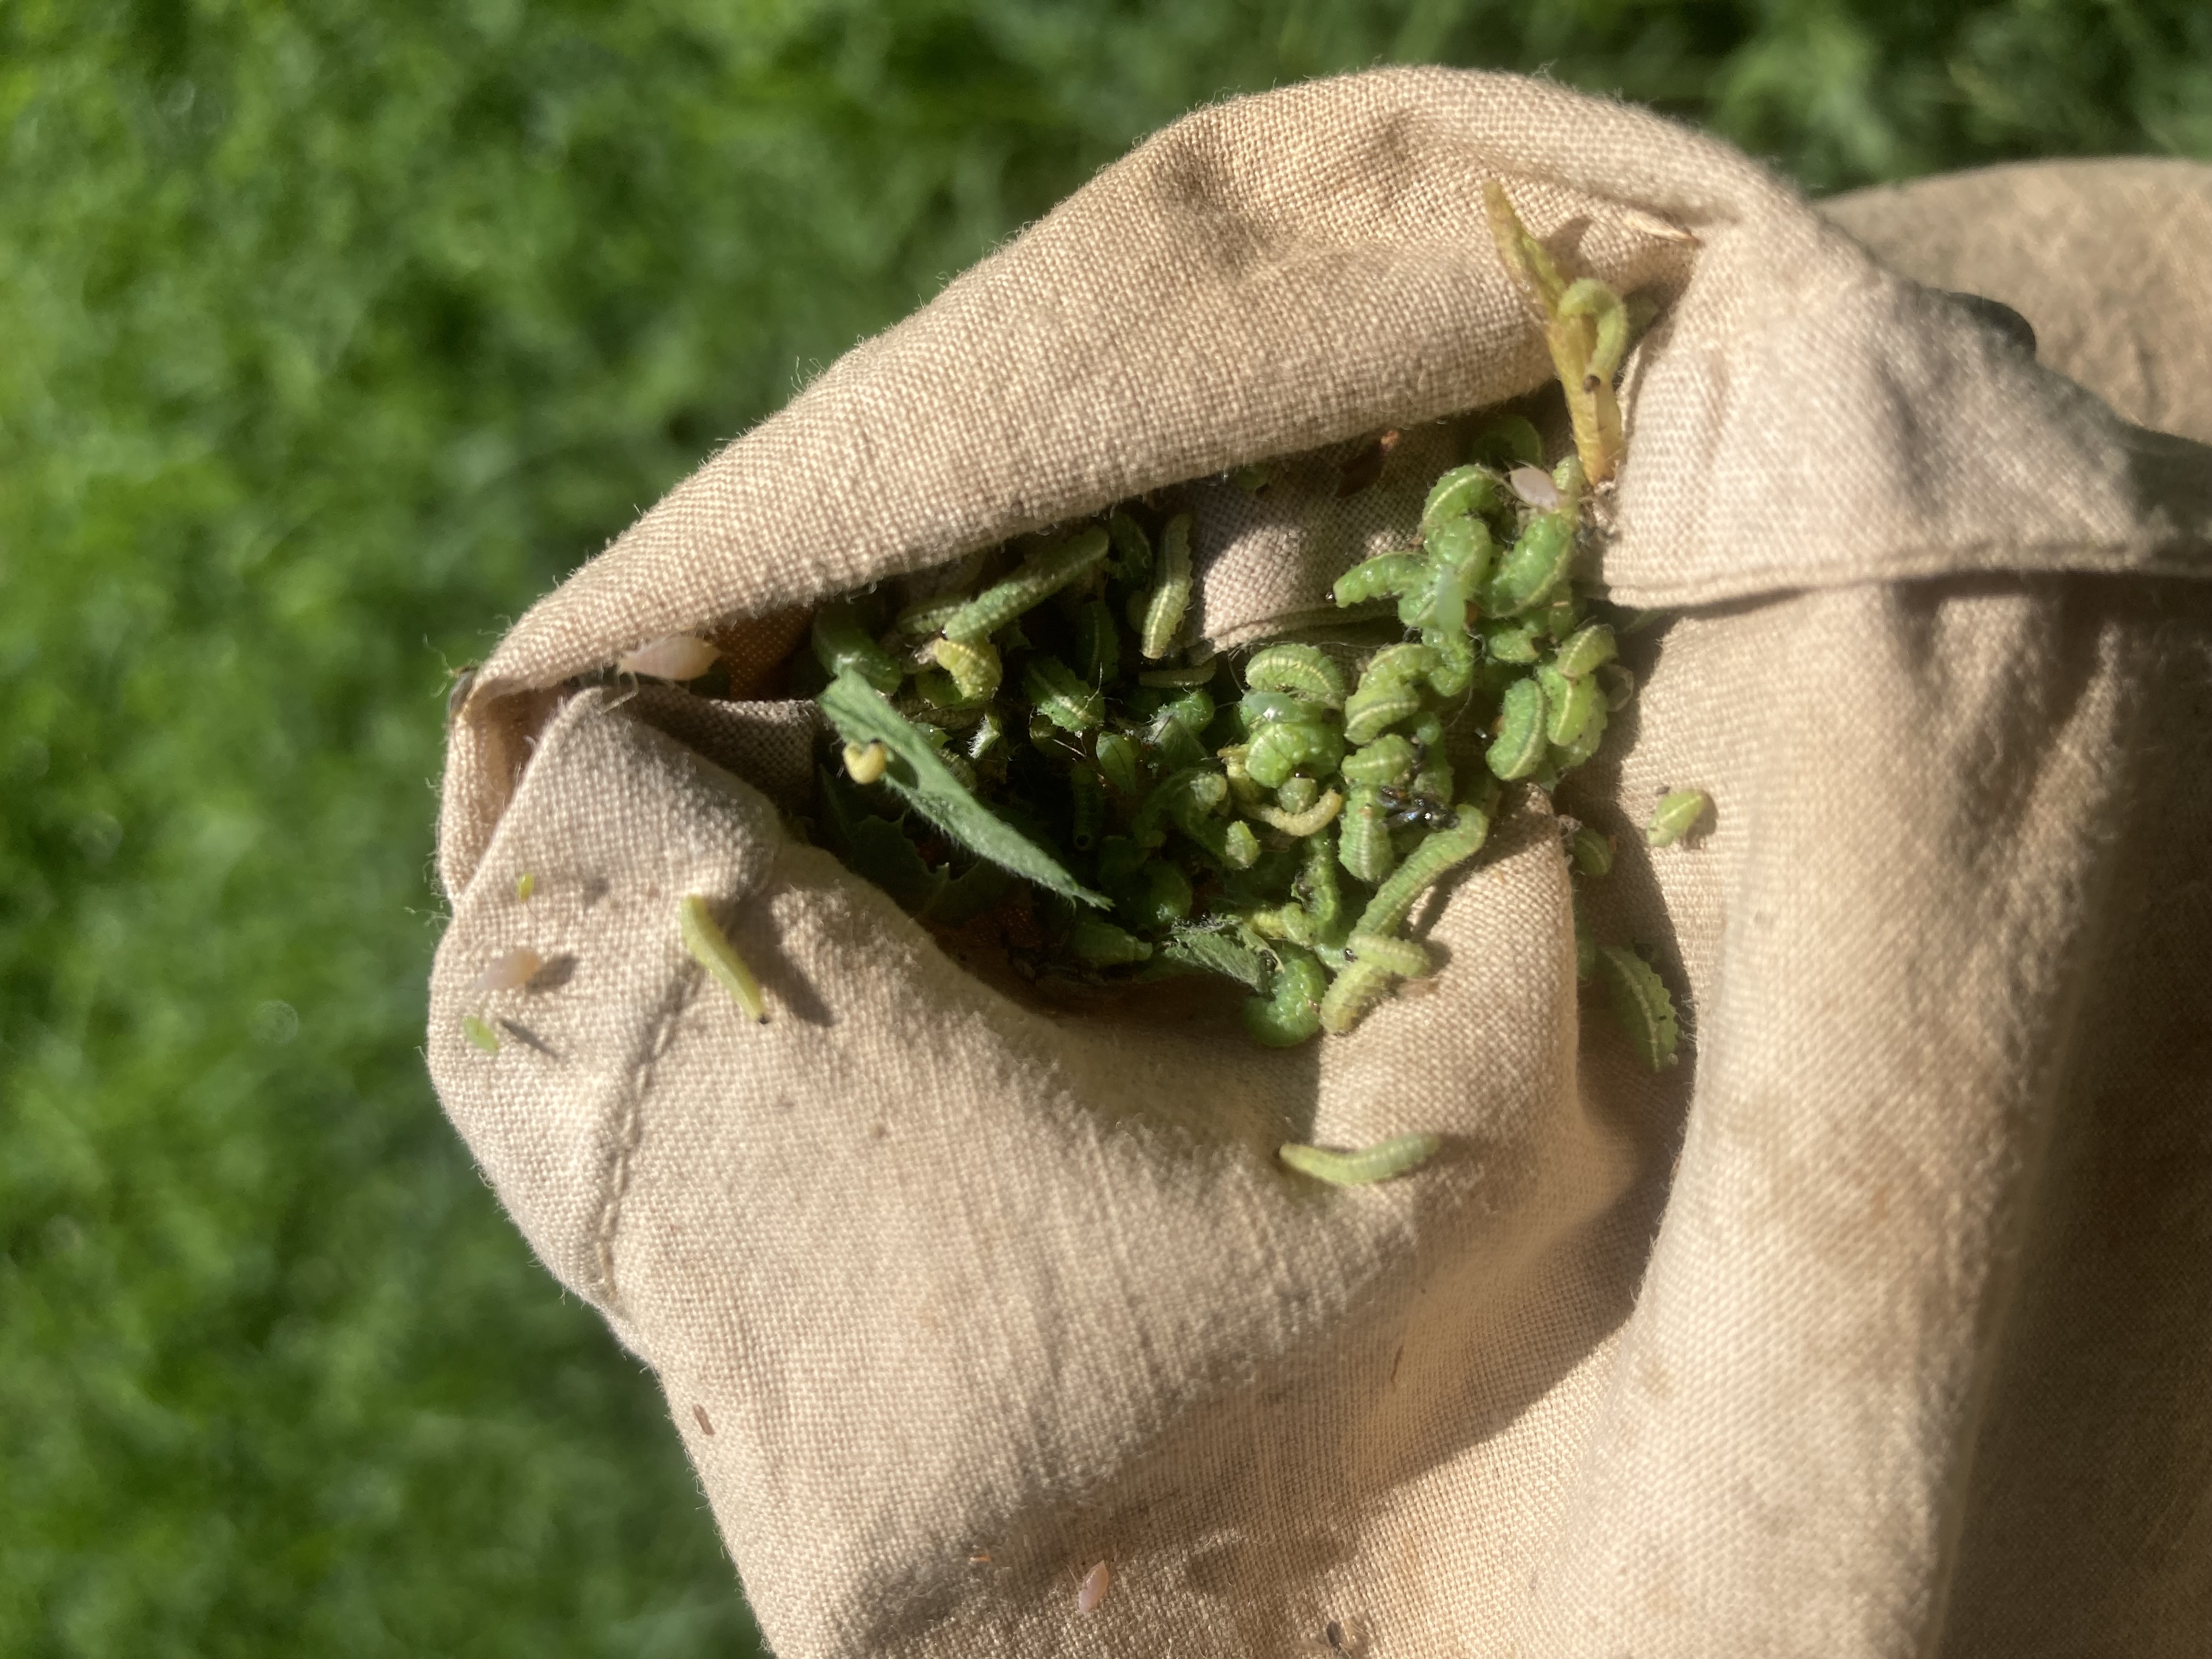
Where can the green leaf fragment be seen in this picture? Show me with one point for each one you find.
(1218, 951)
(841, 643)
(1641, 1004)
(918, 774)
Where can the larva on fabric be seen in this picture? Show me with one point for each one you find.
(712, 950)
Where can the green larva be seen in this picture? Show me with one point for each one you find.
(1311, 821)
(1510, 441)
(1242, 790)
(1592, 853)
(1290, 1012)
(1585, 651)
(1415, 604)
(1119, 759)
(1561, 613)
(1405, 958)
(1677, 815)
(919, 621)
(1053, 689)
(1393, 903)
(1037, 580)
(1098, 643)
(1514, 642)
(866, 761)
(840, 642)
(1304, 671)
(1352, 993)
(480, 1034)
(1521, 736)
(1192, 710)
(1641, 1004)
(1593, 299)
(1395, 666)
(525, 885)
(1536, 568)
(1285, 921)
(1258, 707)
(1571, 705)
(711, 948)
(1388, 760)
(1296, 794)
(1385, 576)
(1585, 743)
(1461, 550)
(1157, 898)
(1316, 883)
(1171, 739)
(976, 668)
(1231, 844)
(1461, 491)
(1170, 595)
(1282, 747)
(1371, 711)
(1192, 787)
(1364, 836)
(1455, 669)
(1132, 549)
(1400, 1155)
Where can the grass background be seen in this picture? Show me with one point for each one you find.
(330, 335)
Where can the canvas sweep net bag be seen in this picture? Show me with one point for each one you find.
(957, 1294)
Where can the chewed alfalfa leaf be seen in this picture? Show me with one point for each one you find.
(1201, 949)
(917, 775)
(1641, 1004)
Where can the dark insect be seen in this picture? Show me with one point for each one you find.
(1406, 807)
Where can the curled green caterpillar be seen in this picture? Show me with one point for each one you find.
(1400, 1155)
(710, 947)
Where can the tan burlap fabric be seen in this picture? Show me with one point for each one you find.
(1880, 1326)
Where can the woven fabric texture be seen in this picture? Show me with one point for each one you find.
(1878, 1327)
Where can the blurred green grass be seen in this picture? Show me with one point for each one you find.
(330, 336)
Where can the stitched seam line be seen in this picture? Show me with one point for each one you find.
(629, 1132)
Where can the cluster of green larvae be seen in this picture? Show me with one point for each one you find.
(1274, 820)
